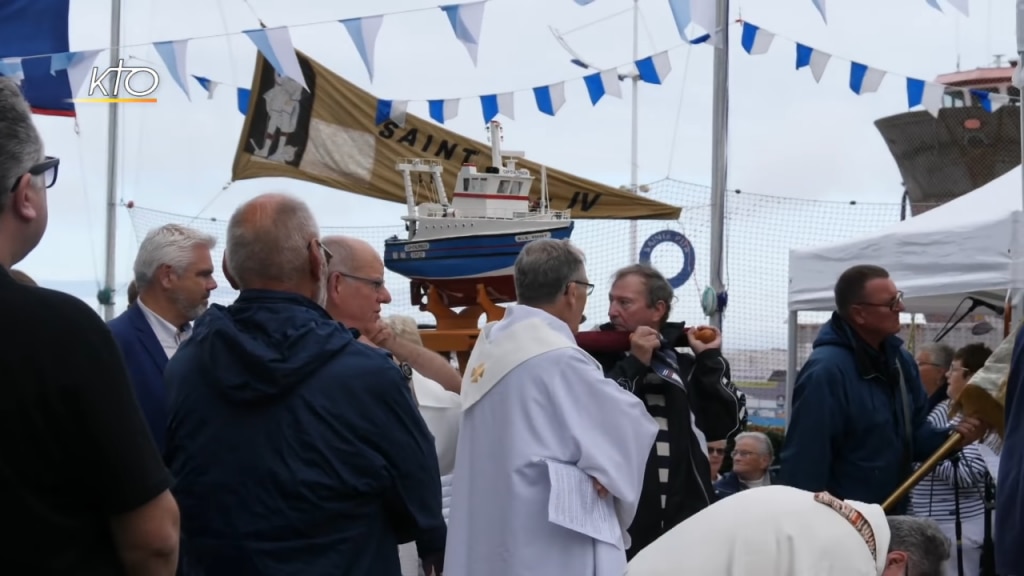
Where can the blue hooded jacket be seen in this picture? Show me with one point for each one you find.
(1009, 517)
(846, 430)
(295, 449)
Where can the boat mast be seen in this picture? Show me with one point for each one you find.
(720, 151)
(106, 295)
(544, 188)
(634, 161)
(495, 144)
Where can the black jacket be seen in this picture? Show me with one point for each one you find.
(719, 411)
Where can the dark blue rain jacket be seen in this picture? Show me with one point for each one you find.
(295, 449)
(1009, 516)
(846, 431)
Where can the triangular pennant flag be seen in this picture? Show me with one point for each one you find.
(934, 4)
(173, 54)
(363, 32)
(506, 105)
(704, 13)
(755, 40)
(77, 64)
(864, 79)
(276, 46)
(467, 21)
(820, 5)
(208, 85)
(242, 97)
(443, 110)
(550, 98)
(391, 110)
(654, 69)
(961, 6)
(681, 15)
(816, 59)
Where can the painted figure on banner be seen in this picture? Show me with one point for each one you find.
(279, 130)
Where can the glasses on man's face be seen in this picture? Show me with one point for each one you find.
(590, 287)
(377, 285)
(47, 169)
(743, 453)
(894, 304)
(718, 451)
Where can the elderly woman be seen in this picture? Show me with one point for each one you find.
(441, 410)
(960, 479)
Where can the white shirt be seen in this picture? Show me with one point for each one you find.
(167, 334)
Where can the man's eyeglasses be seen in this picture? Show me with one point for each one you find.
(590, 287)
(328, 255)
(713, 450)
(378, 285)
(47, 168)
(893, 304)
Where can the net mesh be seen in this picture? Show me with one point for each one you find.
(760, 230)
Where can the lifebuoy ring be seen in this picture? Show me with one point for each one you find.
(677, 238)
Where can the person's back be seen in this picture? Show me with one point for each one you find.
(83, 490)
(1009, 518)
(295, 449)
(60, 481)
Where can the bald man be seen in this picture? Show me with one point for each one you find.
(355, 295)
(275, 438)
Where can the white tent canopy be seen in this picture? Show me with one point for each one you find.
(973, 245)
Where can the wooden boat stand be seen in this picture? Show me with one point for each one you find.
(457, 331)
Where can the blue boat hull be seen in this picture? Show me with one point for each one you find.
(456, 265)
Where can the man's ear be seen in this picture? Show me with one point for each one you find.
(21, 203)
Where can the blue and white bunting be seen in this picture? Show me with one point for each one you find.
(961, 6)
(816, 59)
(241, 94)
(11, 68)
(276, 46)
(926, 94)
(363, 32)
(755, 40)
(820, 5)
(934, 4)
(443, 110)
(494, 104)
(865, 79)
(467, 21)
(601, 83)
(654, 69)
(704, 13)
(990, 101)
(550, 99)
(391, 110)
(174, 55)
(681, 15)
(77, 64)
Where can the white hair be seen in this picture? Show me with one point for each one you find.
(172, 245)
(272, 246)
(766, 443)
(21, 146)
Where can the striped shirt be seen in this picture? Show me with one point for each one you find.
(654, 397)
(935, 496)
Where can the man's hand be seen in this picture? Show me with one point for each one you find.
(381, 335)
(434, 564)
(697, 346)
(643, 342)
(601, 490)
(972, 430)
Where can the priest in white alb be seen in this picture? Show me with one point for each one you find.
(784, 531)
(551, 454)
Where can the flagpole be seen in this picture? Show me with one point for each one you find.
(1020, 85)
(634, 151)
(720, 150)
(106, 294)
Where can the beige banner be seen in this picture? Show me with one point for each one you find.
(328, 136)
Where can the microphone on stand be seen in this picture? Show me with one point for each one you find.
(977, 302)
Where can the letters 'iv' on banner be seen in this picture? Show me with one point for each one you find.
(328, 136)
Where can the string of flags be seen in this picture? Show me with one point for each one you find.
(864, 79)
(960, 5)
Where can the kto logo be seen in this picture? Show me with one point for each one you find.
(122, 81)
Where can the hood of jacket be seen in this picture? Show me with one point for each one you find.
(264, 344)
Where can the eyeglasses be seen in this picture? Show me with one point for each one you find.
(328, 255)
(893, 304)
(47, 168)
(378, 285)
(590, 287)
(743, 453)
(719, 451)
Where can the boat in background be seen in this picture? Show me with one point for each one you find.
(964, 148)
(474, 239)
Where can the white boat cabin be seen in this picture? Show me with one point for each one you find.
(496, 193)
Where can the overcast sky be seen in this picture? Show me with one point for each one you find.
(788, 135)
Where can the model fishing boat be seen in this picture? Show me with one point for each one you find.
(962, 149)
(475, 238)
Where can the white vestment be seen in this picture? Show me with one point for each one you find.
(770, 531)
(536, 407)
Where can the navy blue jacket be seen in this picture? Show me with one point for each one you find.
(730, 483)
(1009, 517)
(295, 448)
(145, 359)
(846, 430)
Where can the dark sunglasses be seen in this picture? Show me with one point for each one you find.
(47, 168)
